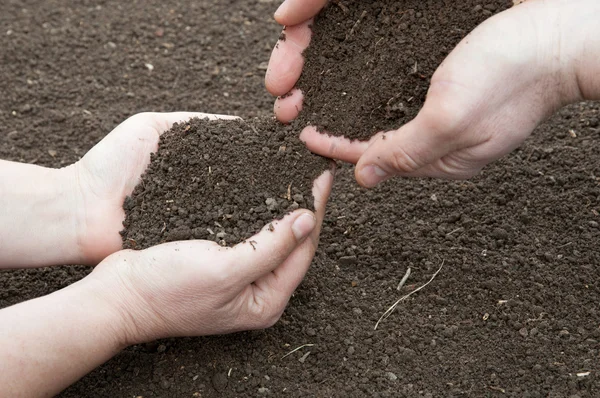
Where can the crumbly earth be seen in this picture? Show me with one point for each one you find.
(221, 181)
(520, 241)
(369, 63)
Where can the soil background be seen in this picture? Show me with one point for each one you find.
(514, 312)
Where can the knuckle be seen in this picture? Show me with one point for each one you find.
(265, 314)
(446, 111)
(403, 162)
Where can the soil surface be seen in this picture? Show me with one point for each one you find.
(369, 63)
(221, 181)
(513, 313)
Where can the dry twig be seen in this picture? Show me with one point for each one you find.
(297, 349)
(393, 307)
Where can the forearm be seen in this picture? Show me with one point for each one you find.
(38, 224)
(48, 343)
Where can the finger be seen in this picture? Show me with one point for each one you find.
(293, 12)
(339, 148)
(287, 61)
(164, 121)
(289, 106)
(266, 250)
(402, 152)
(321, 191)
(278, 286)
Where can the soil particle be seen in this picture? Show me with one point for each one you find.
(220, 381)
(348, 260)
(220, 181)
(369, 64)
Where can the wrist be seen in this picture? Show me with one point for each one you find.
(132, 319)
(97, 220)
(106, 297)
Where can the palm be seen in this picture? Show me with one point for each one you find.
(110, 171)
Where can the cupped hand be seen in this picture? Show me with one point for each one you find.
(196, 288)
(109, 172)
(499, 83)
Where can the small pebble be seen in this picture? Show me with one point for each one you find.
(523, 332)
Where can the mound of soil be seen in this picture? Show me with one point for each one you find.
(369, 64)
(219, 180)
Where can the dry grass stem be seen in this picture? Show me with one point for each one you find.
(404, 279)
(393, 307)
(297, 349)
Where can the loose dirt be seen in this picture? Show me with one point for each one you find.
(514, 312)
(369, 64)
(221, 181)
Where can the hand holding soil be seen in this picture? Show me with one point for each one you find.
(109, 172)
(191, 288)
(197, 288)
(485, 99)
(78, 210)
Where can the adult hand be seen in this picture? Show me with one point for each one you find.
(500, 82)
(177, 289)
(109, 172)
(198, 287)
(74, 215)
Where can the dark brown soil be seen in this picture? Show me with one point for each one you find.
(369, 64)
(221, 181)
(526, 231)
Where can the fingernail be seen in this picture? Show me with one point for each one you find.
(372, 175)
(281, 10)
(304, 225)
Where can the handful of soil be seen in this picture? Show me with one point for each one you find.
(221, 181)
(369, 64)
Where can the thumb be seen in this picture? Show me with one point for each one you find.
(267, 250)
(294, 12)
(407, 151)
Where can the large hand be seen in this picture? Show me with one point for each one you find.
(488, 95)
(198, 287)
(109, 172)
(177, 289)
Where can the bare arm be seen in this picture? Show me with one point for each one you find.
(38, 221)
(49, 343)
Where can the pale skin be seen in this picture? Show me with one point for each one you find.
(193, 288)
(505, 78)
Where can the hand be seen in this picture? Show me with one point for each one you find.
(108, 173)
(485, 99)
(198, 288)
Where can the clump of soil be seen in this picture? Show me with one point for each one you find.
(370, 63)
(221, 181)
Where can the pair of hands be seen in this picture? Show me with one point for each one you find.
(190, 288)
(486, 98)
